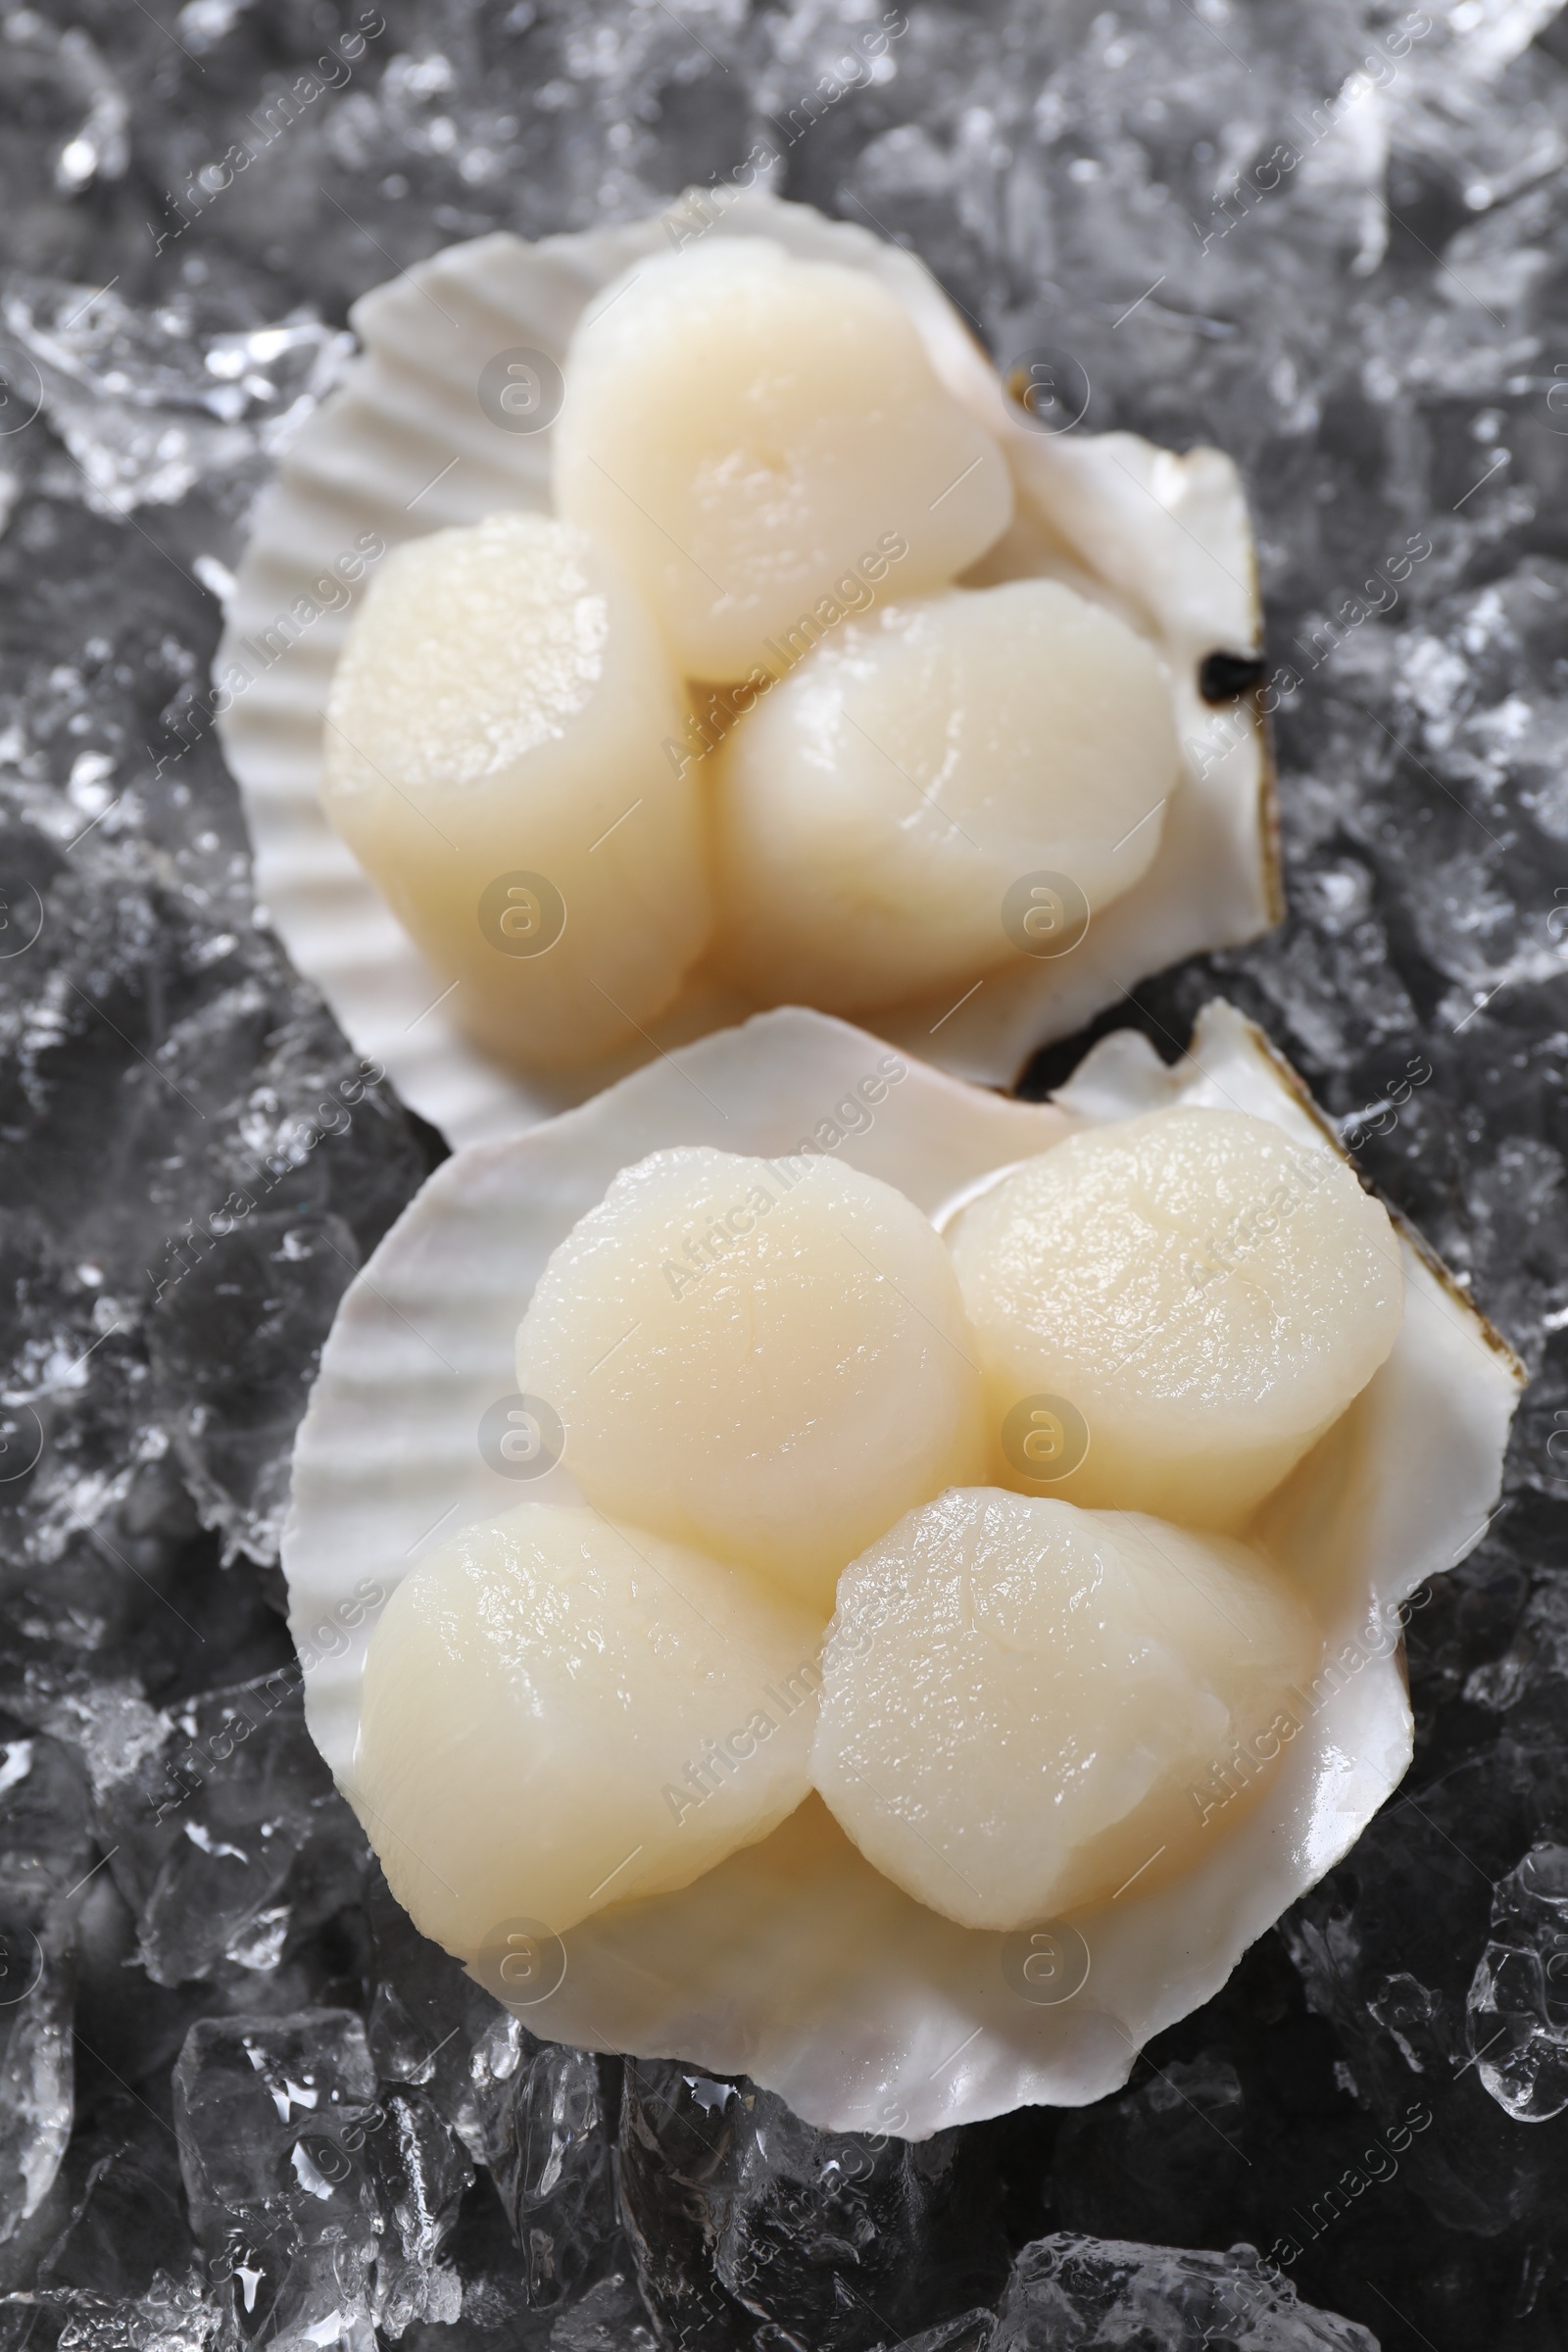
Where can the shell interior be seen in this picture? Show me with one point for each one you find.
(794, 1961)
(404, 447)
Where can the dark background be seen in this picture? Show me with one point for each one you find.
(1376, 330)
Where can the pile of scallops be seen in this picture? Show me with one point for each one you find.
(948, 1526)
(744, 701)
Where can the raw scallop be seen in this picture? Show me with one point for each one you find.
(1162, 540)
(1172, 1309)
(744, 429)
(765, 1358)
(1027, 1708)
(494, 760)
(560, 1713)
(943, 786)
(795, 1961)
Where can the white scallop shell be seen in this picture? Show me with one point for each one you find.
(404, 447)
(794, 1961)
